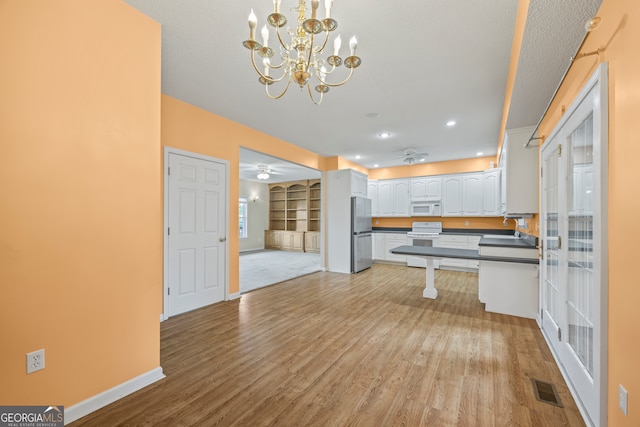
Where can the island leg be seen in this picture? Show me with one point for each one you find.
(430, 290)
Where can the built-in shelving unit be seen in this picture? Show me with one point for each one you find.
(294, 216)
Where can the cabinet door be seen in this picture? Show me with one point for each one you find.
(393, 241)
(433, 188)
(452, 196)
(491, 193)
(401, 200)
(358, 184)
(385, 194)
(379, 247)
(372, 193)
(453, 242)
(418, 188)
(472, 195)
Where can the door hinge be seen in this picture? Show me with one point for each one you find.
(168, 291)
(559, 242)
(169, 170)
(559, 150)
(168, 231)
(541, 172)
(542, 314)
(559, 334)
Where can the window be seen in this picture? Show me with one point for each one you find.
(244, 207)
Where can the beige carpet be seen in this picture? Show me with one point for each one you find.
(264, 268)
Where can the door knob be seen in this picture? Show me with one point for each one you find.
(223, 239)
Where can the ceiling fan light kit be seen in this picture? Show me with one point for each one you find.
(301, 58)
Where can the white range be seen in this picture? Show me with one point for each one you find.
(423, 233)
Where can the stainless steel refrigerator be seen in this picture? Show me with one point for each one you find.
(361, 244)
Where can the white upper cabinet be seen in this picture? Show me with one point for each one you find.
(520, 172)
(372, 193)
(358, 184)
(491, 202)
(472, 195)
(426, 188)
(393, 197)
(401, 200)
(452, 195)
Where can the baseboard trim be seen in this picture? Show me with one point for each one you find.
(107, 397)
(234, 295)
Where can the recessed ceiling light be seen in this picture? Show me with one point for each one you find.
(422, 159)
(376, 165)
(480, 153)
(384, 135)
(357, 156)
(451, 123)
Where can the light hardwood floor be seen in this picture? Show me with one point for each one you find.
(332, 349)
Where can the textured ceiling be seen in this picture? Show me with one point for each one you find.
(424, 62)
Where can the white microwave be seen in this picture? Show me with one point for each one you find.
(426, 209)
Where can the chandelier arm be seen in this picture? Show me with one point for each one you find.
(324, 44)
(310, 52)
(311, 95)
(271, 79)
(282, 43)
(266, 89)
(338, 84)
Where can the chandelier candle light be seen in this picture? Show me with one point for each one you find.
(301, 57)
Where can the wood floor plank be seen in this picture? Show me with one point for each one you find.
(365, 349)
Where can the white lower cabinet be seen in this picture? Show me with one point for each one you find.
(509, 288)
(457, 241)
(384, 242)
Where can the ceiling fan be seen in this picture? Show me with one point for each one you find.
(411, 156)
(264, 172)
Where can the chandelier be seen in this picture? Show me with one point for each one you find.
(301, 57)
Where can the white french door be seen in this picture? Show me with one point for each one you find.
(196, 211)
(574, 240)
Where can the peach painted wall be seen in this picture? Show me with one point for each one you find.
(436, 168)
(619, 33)
(81, 242)
(192, 129)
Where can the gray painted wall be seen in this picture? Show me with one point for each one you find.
(258, 214)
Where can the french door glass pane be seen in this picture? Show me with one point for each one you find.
(552, 292)
(580, 310)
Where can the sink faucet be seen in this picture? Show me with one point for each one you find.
(517, 234)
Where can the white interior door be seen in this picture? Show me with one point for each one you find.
(574, 274)
(196, 235)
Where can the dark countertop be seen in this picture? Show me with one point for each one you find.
(456, 253)
(466, 231)
(507, 243)
(391, 229)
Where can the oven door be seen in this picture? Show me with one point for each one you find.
(419, 261)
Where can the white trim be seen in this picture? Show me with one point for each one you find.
(574, 393)
(84, 408)
(165, 174)
(233, 296)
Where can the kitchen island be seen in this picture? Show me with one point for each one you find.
(493, 289)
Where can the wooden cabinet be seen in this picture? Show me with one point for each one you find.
(293, 240)
(294, 209)
(312, 241)
(272, 239)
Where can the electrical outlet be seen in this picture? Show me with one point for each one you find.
(622, 400)
(35, 361)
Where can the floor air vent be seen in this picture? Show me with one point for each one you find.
(546, 392)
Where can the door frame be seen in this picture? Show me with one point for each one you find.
(598, 81)
(165, 213)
